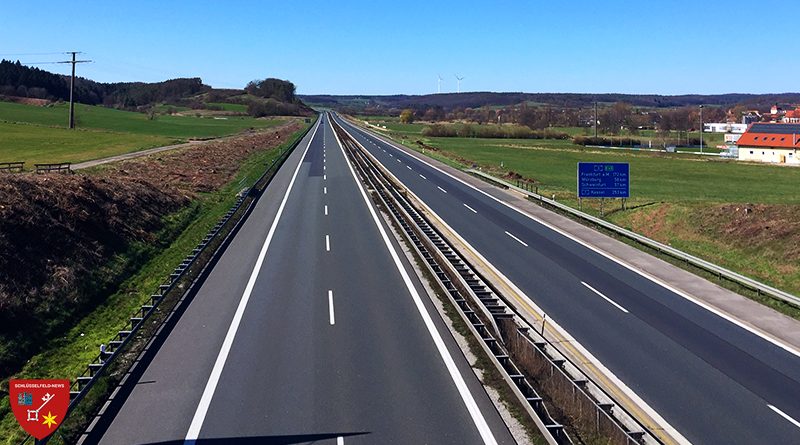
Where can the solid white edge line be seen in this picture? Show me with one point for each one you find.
(788, 348)
(327, 243)
(784, 415)
(516, 239)
(566, 335)
(617, 305)
(477, 416)
(473, 210)
(441, 189)
(330, 308)
(211, 385)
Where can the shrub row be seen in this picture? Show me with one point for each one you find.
(633, 142)
(489, 131)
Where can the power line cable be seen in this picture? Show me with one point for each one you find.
(29, 54)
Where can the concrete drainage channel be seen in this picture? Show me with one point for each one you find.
(536, 372)
(153, 320)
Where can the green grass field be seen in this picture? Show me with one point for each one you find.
(39, 135)
(238, 108)
(165, 108)
(38, 144)
(654, 176)
(101, 118)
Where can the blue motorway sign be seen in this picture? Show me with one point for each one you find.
(604, 180)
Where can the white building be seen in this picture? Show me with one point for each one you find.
(774, 143)
(726, 127)
(732, 138)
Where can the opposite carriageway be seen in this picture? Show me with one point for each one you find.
(709, 378)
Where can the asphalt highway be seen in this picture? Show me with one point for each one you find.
(310, 329)
(713, 381)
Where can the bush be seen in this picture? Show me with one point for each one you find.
(271, 107)
(606, 142)
(489, 132)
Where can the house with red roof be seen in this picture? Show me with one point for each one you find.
(769, 142)
(792, 117)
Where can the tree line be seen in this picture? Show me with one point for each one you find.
(611, 119)
(24, 81)
(451, 101)
(267, 97)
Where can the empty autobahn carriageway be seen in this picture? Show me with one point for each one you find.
(310, 329)
(710, 379)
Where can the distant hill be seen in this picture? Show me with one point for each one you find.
(20, 81)
(451, 101)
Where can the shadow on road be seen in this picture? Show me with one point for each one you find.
(262, 440)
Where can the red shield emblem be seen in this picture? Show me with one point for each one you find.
(39, 405)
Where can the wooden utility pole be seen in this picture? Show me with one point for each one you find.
(72, 86)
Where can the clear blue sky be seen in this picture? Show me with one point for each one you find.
(400, 46)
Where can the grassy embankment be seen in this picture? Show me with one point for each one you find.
(66, 357)
(38, 134)
(224, 106)
(745, 217)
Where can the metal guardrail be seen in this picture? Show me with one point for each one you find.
(180, 275)
(758, 287)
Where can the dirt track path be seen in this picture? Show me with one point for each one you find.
(136, 154)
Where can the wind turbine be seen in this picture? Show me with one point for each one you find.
(439, 84)
(458, 79)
